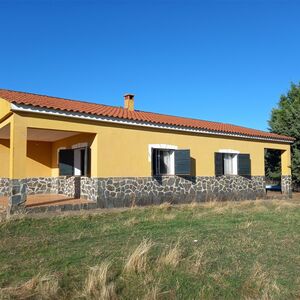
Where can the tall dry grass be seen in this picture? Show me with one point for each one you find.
(198, 262)
(97, 284)
(137, 260)
(171, 256)
(152, 292)
(39, 287)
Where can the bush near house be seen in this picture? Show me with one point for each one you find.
(246, 250)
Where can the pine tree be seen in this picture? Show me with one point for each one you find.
(285, 119)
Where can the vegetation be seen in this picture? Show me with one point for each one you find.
(273, 166)
(285, 119)
(243, 250)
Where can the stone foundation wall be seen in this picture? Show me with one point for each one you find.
(286, 186)
(124, 192)
(66, 186)
(41, 185)
(89, 188)
(17, 195)
(51, 185)
(4, 187)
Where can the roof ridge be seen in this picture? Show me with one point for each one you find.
(137, 110)
(55, 97)
(203, 120)
(146, 116)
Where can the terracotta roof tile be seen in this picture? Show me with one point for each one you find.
(121, 113)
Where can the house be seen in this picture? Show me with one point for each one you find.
(120, 156)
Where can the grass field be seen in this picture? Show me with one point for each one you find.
(246, 250)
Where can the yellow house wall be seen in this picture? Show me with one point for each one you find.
(4, 108)
(121, 151)
(126, 151)
(4, 158)
(38, 159)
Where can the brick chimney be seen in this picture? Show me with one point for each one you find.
(129, 102)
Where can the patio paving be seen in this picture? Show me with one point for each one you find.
(46, 200)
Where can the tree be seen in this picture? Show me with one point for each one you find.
(273, 166)
(285, 119)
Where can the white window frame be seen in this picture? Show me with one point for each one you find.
(79, 145)
(234, 159)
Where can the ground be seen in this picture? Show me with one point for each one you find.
(242, 250)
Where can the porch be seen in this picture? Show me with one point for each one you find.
(43, 167)
(46, 200)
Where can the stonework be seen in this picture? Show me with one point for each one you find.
(61, 208)
(51, 185)
(17, 195)
(66, 186)
(41, 185)
(286, 186)
(122, 192)
(126, 192)
(89, 188)
(4, 187)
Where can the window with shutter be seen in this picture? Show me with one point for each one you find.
(244, 165)
(182, 162)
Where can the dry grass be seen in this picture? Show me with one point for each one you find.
(39, 287)
(246, 225)
(153, 293)
(171, 257)
(137, 261)
(165, 206)
(193, 205)
(199, 262)
(260, 284)
(97, 285)
(131, 222)
(169, 216)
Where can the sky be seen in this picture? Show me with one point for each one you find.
(218, 60)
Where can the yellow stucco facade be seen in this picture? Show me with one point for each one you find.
(116, 150)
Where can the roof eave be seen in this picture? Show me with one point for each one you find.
(70, 114)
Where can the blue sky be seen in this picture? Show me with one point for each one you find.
(225, 61)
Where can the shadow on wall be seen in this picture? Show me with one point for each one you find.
(4, 158)
(193, 166)
(41, 152)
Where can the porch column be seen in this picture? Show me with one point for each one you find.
(286, 177)
(95, 156)
(17, 165)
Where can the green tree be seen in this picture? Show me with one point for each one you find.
(285, 119)
(273, 166)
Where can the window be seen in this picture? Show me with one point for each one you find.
(170, 162)
(74, 162)
(232, 164)
(163, 162)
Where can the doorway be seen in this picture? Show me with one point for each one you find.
(74, 162)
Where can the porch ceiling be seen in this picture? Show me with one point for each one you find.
(44, 135)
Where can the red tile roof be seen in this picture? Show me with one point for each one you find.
(61, 104)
